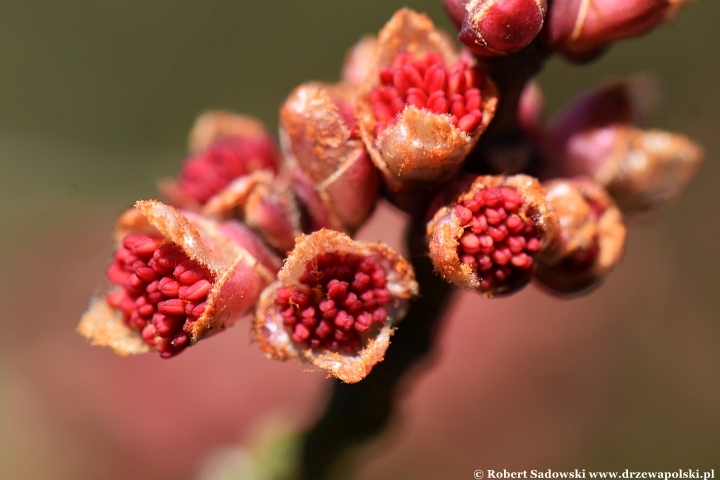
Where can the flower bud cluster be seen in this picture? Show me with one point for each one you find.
(250, 227)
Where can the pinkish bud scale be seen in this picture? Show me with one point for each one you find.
(427, 84)
(162, 293)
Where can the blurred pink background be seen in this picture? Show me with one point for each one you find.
(95, 101)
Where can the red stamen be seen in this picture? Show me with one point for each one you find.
(163, 291)
(428, 84)
(340, 297)
(497, 243)
(208, 172)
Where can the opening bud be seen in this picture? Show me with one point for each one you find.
(177, 278)
(487, 236)
(591, 238)
(224, 147)
(332, 172)
(232, 173)
(335, 304)
(423, 107)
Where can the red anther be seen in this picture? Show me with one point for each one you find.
(438, 105)
(143, 272)
(361, 282)
(379, 315)
(308, 312)
(149, 334)
(116, 274)
(470, 121)
(133, 284)
(363, 322)
(165, 326)
(497, 234)
(514, 222)
(343, 320)
(151, 297)
(516, 244)
(464, 214)
(479, 225)
(386, 77)
(169, 287)
(145, 247)
(300, 333)
(197, 310)
(470, 261)
(323, 329)
(533, 245)
(428, 84)
(379, 279)
(299, 299)
(435, 79)
(165, 264)
(174, 306)
(336, 288)
(470, 243)
(416, 97)
(196, 291)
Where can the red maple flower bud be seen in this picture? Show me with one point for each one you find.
(582, 28)
(177, 278)
(487, 237)
(423, 108)
(492, 28)
(595, 136)
(332, 172)
(224, 147)
(591, 237)
(232, 174)
(335, 304)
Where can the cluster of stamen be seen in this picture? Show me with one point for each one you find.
(162, 293)
(428, 84)
(499, 240)
(340, 297)
(207, 173)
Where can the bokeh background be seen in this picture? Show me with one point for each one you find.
(96, 99)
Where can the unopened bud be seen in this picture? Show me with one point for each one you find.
(493, 28)
(582, 28)
(591, 237)
(595, 137)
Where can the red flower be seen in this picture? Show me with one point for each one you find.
(422, 106)
(335, 304)
(178, 278)
(486, 237)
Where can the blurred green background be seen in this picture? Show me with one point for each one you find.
(96, 99)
